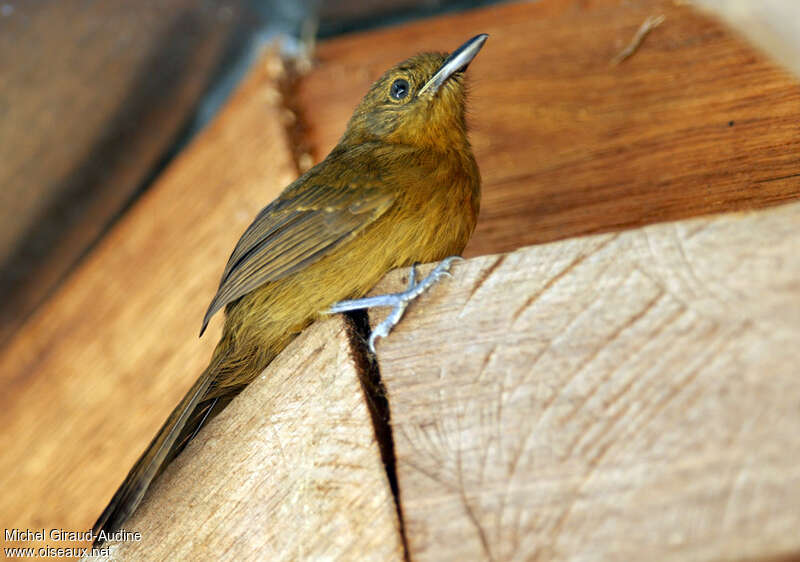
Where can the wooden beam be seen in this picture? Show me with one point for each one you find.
(695, 122)
(290, 470)
(620, 396)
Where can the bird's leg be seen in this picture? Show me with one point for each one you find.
(399, 301)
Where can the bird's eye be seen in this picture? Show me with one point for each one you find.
(399, 89)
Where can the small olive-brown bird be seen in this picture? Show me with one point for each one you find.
(401, 187)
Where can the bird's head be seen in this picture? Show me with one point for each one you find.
(419, 102)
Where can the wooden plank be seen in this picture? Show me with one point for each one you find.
(695, 122)
(93, 374)
(89, 109)
(289, 471)
(614, 397)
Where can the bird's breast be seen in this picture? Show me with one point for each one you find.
(436, 211)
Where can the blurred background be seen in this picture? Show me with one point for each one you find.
(97, 97)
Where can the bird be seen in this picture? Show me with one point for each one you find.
(401, 187)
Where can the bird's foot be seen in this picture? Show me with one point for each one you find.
(398, 301)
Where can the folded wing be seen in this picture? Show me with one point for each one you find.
(303, 225)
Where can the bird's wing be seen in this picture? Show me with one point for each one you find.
(303, 225)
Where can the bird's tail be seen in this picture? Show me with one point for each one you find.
(181, 426)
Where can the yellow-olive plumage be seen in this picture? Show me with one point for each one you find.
(402, 186)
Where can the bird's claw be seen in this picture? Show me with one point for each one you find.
(402, 300)
(398, 301)
(384, 328)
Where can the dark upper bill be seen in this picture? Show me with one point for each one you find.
(457, 61)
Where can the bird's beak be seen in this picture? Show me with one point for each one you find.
(457, 61)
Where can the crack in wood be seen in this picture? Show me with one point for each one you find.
(358, 332)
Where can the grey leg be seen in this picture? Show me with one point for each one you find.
(398, 301)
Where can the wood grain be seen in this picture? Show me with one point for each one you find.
(88, 109)
(289, 471)
(695, 122)
(93, 374)
(615, 397)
